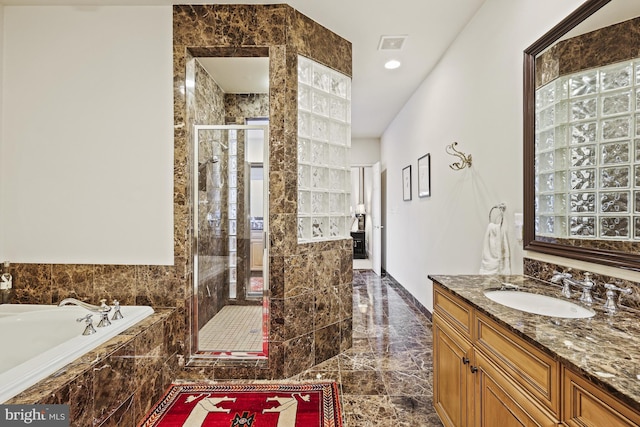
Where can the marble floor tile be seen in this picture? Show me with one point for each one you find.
(386, 377)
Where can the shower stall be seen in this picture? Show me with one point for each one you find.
(230, 234)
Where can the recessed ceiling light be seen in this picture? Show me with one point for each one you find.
(392, 64)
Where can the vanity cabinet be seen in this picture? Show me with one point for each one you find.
(257, 247)
(587, 405)
(453, 382)
(485, 375)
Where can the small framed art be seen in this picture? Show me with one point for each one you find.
(424, 175)
(406, 183)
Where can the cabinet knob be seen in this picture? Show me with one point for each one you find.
(473, 369)
(465, 360)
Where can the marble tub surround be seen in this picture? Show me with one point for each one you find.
(604, 348)
(119, 381)
(157, 286)
(544, 271)
(310, 284)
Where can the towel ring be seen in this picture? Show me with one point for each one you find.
(500, 214)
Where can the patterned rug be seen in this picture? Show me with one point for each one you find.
(247, 405)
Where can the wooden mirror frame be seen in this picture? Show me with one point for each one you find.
(626, 260)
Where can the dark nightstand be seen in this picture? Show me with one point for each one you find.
(359, 251)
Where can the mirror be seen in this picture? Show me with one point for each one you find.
(582, 136)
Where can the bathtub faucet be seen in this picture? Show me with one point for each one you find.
(103, 309)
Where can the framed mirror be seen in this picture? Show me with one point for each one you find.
(582, 136)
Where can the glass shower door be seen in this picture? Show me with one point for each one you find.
(229, 310)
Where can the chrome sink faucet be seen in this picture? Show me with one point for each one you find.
(562, 278)
(567, 281)
(611, 305)
(103, 309)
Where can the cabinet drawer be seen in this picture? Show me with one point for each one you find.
(532, 369)
(456, 311)
(586, 404)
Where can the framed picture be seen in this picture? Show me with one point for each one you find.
(406, 183)
(424, 175)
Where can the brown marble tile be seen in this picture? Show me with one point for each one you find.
(113, 380)
(608, 45)
(298, 354)
(368, 411)
(31, 283)
(415, 411)
(326, 344)
(363, 382)
(107, 280)
(544, 271)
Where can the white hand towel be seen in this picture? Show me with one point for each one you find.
(496, 256)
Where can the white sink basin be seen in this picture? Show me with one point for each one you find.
(540, 304)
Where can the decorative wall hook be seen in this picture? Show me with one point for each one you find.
(465, 160)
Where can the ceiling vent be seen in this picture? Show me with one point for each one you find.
(391, 42)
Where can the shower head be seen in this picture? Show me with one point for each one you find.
(213, 160)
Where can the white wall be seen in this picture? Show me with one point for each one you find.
(2, 161)
(87, 137)
(474, 97)
(365, 151)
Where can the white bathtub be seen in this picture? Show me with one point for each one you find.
(39, 340)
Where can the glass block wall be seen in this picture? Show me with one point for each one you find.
(324, 145)
(588, 154)
(233, 212)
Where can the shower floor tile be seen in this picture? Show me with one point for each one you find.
(234, 328)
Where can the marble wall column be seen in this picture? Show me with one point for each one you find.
(310, 284)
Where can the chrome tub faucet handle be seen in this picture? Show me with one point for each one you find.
(117, 315)
(88, 324)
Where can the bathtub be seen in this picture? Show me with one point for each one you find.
(39, 340)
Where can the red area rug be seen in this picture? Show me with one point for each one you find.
(248, 405)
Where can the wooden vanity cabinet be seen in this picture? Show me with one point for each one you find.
(484, 375)
(501, 402)
(471, 385)
(257, 249)
(452, 379)
(587, 405)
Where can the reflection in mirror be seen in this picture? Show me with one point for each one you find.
(228, 109)
(582, 142)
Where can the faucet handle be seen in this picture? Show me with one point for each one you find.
(88, 324)
(104, 308)
(587, 282)
(611, 305)
(612, 287)
(117, 315)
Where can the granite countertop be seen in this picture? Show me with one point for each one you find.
(604, 348)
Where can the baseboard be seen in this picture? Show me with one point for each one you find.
(404, 293)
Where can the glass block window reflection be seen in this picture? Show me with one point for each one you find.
(324, 145)
(233, 212)
(587, 175)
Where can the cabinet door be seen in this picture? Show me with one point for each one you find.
(452, 385)
(256, 255)
(587, 405)
(500, 402)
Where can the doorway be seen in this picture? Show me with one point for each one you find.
(230, 312)
(366, 208)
